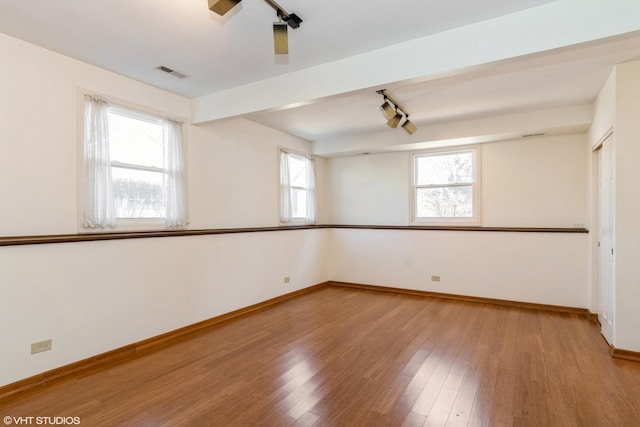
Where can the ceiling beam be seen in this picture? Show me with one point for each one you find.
(533, 31)
(556, 121)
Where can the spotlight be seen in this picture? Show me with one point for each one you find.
(394, 113)
(280, 38)
(222, 6)
(394, 121)
(387, 110)
(409, 127)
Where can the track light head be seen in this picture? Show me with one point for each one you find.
(222, 6)
(294, 20)
(280, 35)
(387, 110)
(280, 38)
(394, 121)
(409, 127)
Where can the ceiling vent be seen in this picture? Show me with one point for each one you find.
(532, 135)
(171, 71)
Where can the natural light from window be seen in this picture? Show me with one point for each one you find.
(299, 186)
(136, 150)
(444, 185)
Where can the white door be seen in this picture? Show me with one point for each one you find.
(606, 238)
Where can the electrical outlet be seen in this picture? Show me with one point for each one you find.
(435, 278)
(287, 279)
(578, 225)
(39, 347)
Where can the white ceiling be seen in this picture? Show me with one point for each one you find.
(559, 79)
(133, 37)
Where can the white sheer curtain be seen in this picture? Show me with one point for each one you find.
(312, 210)
(177, 215)
(99, 207)
(288, 200)
(285, 188)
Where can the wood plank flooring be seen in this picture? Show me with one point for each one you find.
(345, 357)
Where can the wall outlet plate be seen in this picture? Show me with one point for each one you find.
(40, 346)
(435, 278)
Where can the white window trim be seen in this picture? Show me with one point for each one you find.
(135, 110)
(476, 220)
(293, 221)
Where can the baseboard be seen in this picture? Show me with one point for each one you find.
(618, 353)
(507, 303)
(132, 351)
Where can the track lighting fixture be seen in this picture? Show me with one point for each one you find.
(280, 35)
(393, 112)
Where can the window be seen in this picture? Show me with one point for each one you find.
(133, 168)
(136, 151)
(445, 187)
(297, 185)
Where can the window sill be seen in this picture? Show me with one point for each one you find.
(448, 222)
(130, 226)
(294, 223)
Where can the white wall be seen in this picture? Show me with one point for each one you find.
(604, 113)
(96, 296)
(531, 267)
(539, 182)
(627, 209)
(604, 108)
(38, 122)
(234, 173)
(369, 189)
(617, 108)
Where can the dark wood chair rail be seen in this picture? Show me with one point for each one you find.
(91, 237)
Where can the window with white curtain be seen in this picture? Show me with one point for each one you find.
(298, 189)
(134, 169)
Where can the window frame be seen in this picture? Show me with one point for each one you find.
(475, 219)
(301, 155)
(132, 110)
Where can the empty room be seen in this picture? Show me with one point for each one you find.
(320, 213)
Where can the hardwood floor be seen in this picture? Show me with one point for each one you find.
(345, 357)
